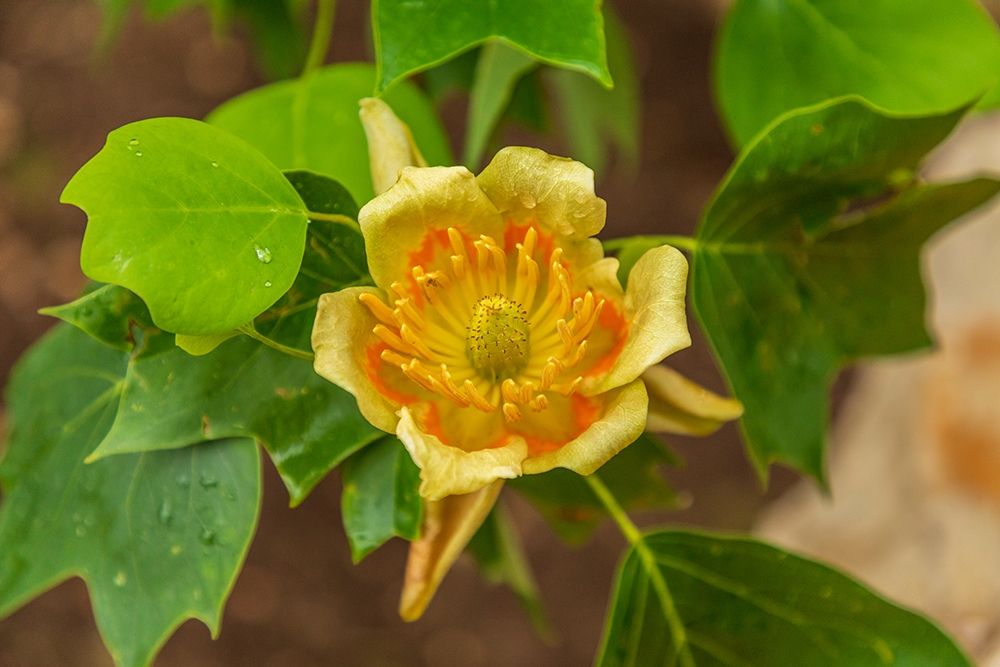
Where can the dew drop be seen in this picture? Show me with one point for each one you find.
(121, 579)
(215, 164)
(166, 514)
(138, 153)
(263, 254)
(267, 283)
(133, 142)
(207, 536)
(208, 481)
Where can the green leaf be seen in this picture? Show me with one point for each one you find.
(569, 506)
(380, 498)
(741, 602)
(411, 36)
(594, 118)
(915, 57)
(497, 72)
(158, 537)
(808, 258)
(275, 28)
(108, 313)
(312, 123)
(193, 220)
(500, 555)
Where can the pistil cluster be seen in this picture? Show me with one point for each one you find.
(477, 330)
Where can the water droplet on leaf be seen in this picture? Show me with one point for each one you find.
(138, 153)
(207, 536)
(133, 142)
(207, 481)
(267, 283)
(263, 254)
(215, 164)
(166, 512)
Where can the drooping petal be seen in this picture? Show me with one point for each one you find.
(390, 143)
(407, 225)
(447, 470)
(679, 405)
(342, 340)
(621, 422)
(531, 187)
(655, 317)
(448, 526)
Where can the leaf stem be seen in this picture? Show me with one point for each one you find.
(335, 217)
(648, 560)
(322, 29)
(249, 330)
(688, 243)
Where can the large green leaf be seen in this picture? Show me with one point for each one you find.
(413, 35)
(569, 506)
(380, 498)
(108, 313)
(593, 118)
(500, 555)
(312, 123)
(808, 258)
(193, 220)
(740, 602)
(913, 56)
(158, 537)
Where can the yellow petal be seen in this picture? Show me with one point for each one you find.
(390, 144)
(448, 526)
(679, 405)
(623, 421)
(529, 186)
(340, 336)
(407, 225)
(447, 471)
(654, 311)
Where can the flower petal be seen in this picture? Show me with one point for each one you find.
(529, 186)
(390, 144)
(341, 338)
(622, 422)
(679, 405)
(447, 470)
(654, 312)
(407, 224)
(448, 526)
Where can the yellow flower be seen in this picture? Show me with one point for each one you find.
(498, 340)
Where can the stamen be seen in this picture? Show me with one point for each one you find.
(390, 338)
(378, 308)
(511, 412)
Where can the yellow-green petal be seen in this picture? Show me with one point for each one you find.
(448, 526)
(401, 222)
(679, 405)
(654, 309)
(342, 329)
(529, 186)
(390, 144)
(447, 470)
(623, 422)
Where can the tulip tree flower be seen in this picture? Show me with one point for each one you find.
(498, 341)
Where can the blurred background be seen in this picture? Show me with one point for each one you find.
(299, 601)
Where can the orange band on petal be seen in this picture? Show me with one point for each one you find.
(610, 319)
(373, 364)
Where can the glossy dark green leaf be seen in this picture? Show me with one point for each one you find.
(193, 220)
(413, 35)
(312, 123)
(593, 118)
(741, 602)
(912, 56)
(501, 558)
(158, 537)
(498, 70)
(808, 258)
(380, 498)
(568, 504)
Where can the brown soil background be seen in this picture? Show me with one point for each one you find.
(299, 601)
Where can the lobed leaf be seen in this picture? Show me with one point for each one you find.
(158, 537)
(193, 220)
(411, 36)
(312, 123)
(808, 258)
(915, 57)
(380, 498)
(741, 602)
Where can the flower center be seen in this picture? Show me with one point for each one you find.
(497, 342)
